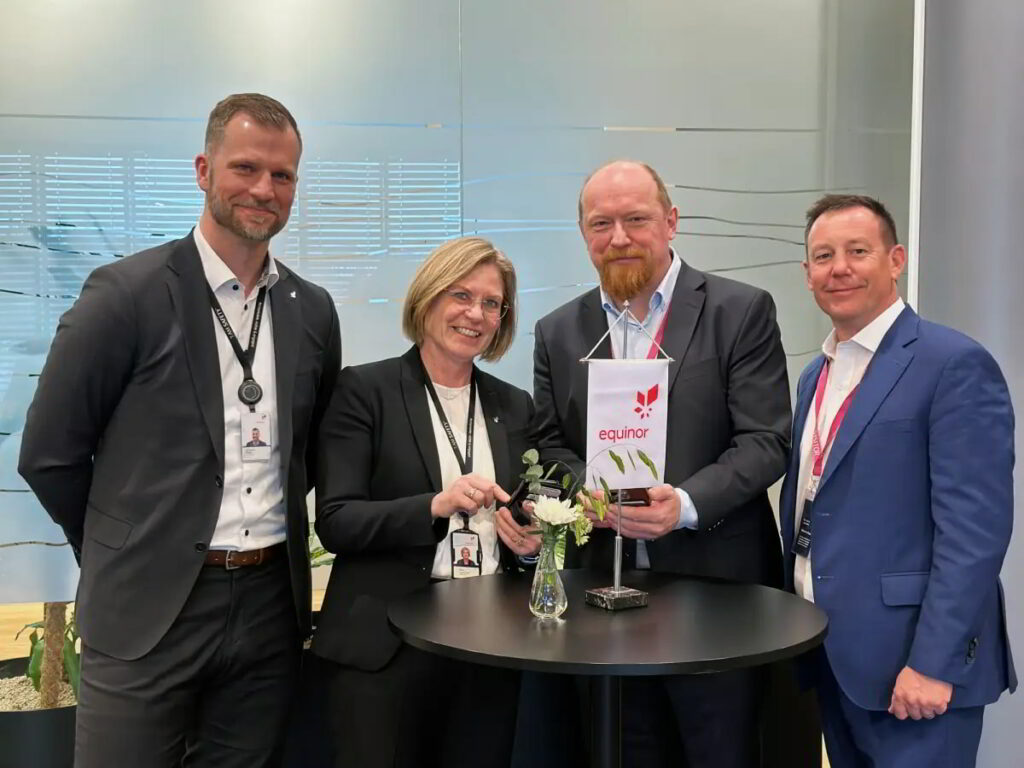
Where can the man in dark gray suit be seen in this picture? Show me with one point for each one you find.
(728, 436)
(194, 593)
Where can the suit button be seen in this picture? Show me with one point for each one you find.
(219, 481)
(200, 547)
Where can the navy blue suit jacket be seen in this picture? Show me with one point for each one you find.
(913, 517)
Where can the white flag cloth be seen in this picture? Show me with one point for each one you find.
(627, 412)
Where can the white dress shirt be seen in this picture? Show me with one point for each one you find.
(639, 345)
(252, 509)
(455, 402)
(848, 360)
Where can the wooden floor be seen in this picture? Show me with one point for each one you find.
(14, 616)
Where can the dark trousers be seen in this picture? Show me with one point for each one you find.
(213, 692)
(697, 721)
(423, 711)
(864, 738)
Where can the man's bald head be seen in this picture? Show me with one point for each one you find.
(624, 165)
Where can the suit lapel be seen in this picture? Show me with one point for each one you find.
(413, 382)
(490, 401)
(684, 312)
(187, 285)
(885, 369)
(593, 324)
(286, 318)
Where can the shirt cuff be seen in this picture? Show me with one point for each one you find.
(687, 512)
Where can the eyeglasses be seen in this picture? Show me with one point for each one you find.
(492, 308)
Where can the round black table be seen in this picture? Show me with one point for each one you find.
(691, 626)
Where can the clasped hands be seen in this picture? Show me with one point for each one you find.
(641, 522)
(473, 492)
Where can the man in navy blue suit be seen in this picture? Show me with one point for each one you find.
(897, 507)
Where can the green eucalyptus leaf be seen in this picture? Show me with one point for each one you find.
(536, 471)
(531, 456)
(618, 461)
(646, 460)
(535, 488)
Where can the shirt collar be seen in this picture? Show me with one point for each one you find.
(218, 274)
(870, 336)
(662, 294)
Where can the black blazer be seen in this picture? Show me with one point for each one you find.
(728, 422)
(378, 470)
(134, 362)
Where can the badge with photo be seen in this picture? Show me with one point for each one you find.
(256, 435)
(467, 554)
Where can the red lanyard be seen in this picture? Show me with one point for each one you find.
(817, 450)
(656, 344)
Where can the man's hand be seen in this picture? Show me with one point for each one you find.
(916, 696)
(648, 522)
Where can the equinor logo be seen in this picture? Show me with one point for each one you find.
(646, 402)
(626, 433)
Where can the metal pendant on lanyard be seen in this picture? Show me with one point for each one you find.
(249, 392)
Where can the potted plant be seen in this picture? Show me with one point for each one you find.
(37, 708)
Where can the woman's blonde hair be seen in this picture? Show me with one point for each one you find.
(449, 263)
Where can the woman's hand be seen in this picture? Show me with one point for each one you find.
(467, 494)
(516, 537)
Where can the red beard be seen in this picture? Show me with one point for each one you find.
(622, 280)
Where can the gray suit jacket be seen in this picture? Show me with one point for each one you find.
(728, 421)
(134, 363)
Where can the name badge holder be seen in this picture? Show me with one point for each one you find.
(255, 434)
(802, 540)
(464, 543)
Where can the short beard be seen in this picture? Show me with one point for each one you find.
(224, 215)
(624, 281)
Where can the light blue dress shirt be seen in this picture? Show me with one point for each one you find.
(639, 345)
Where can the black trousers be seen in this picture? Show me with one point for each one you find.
(699, 721)
(423, 711)
(215, 690)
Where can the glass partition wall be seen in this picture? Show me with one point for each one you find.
(421, 122)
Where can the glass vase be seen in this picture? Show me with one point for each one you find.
(547, 595)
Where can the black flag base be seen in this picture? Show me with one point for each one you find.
(616, 598)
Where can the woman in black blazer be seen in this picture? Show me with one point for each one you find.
(390, 490)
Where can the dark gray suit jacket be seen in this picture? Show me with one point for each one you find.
(728, 421)
(377, 473)
(133, 364)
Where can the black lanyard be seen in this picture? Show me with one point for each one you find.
(249, 392)
(466, 465)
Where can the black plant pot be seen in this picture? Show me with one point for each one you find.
(41, 738)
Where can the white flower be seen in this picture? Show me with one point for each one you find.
(553, 511)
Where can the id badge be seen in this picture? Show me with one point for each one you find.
(802, 542)
(467, 554)
(257, 437)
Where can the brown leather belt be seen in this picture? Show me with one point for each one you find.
(229, 559)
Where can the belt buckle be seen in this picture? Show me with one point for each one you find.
(227, 561)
